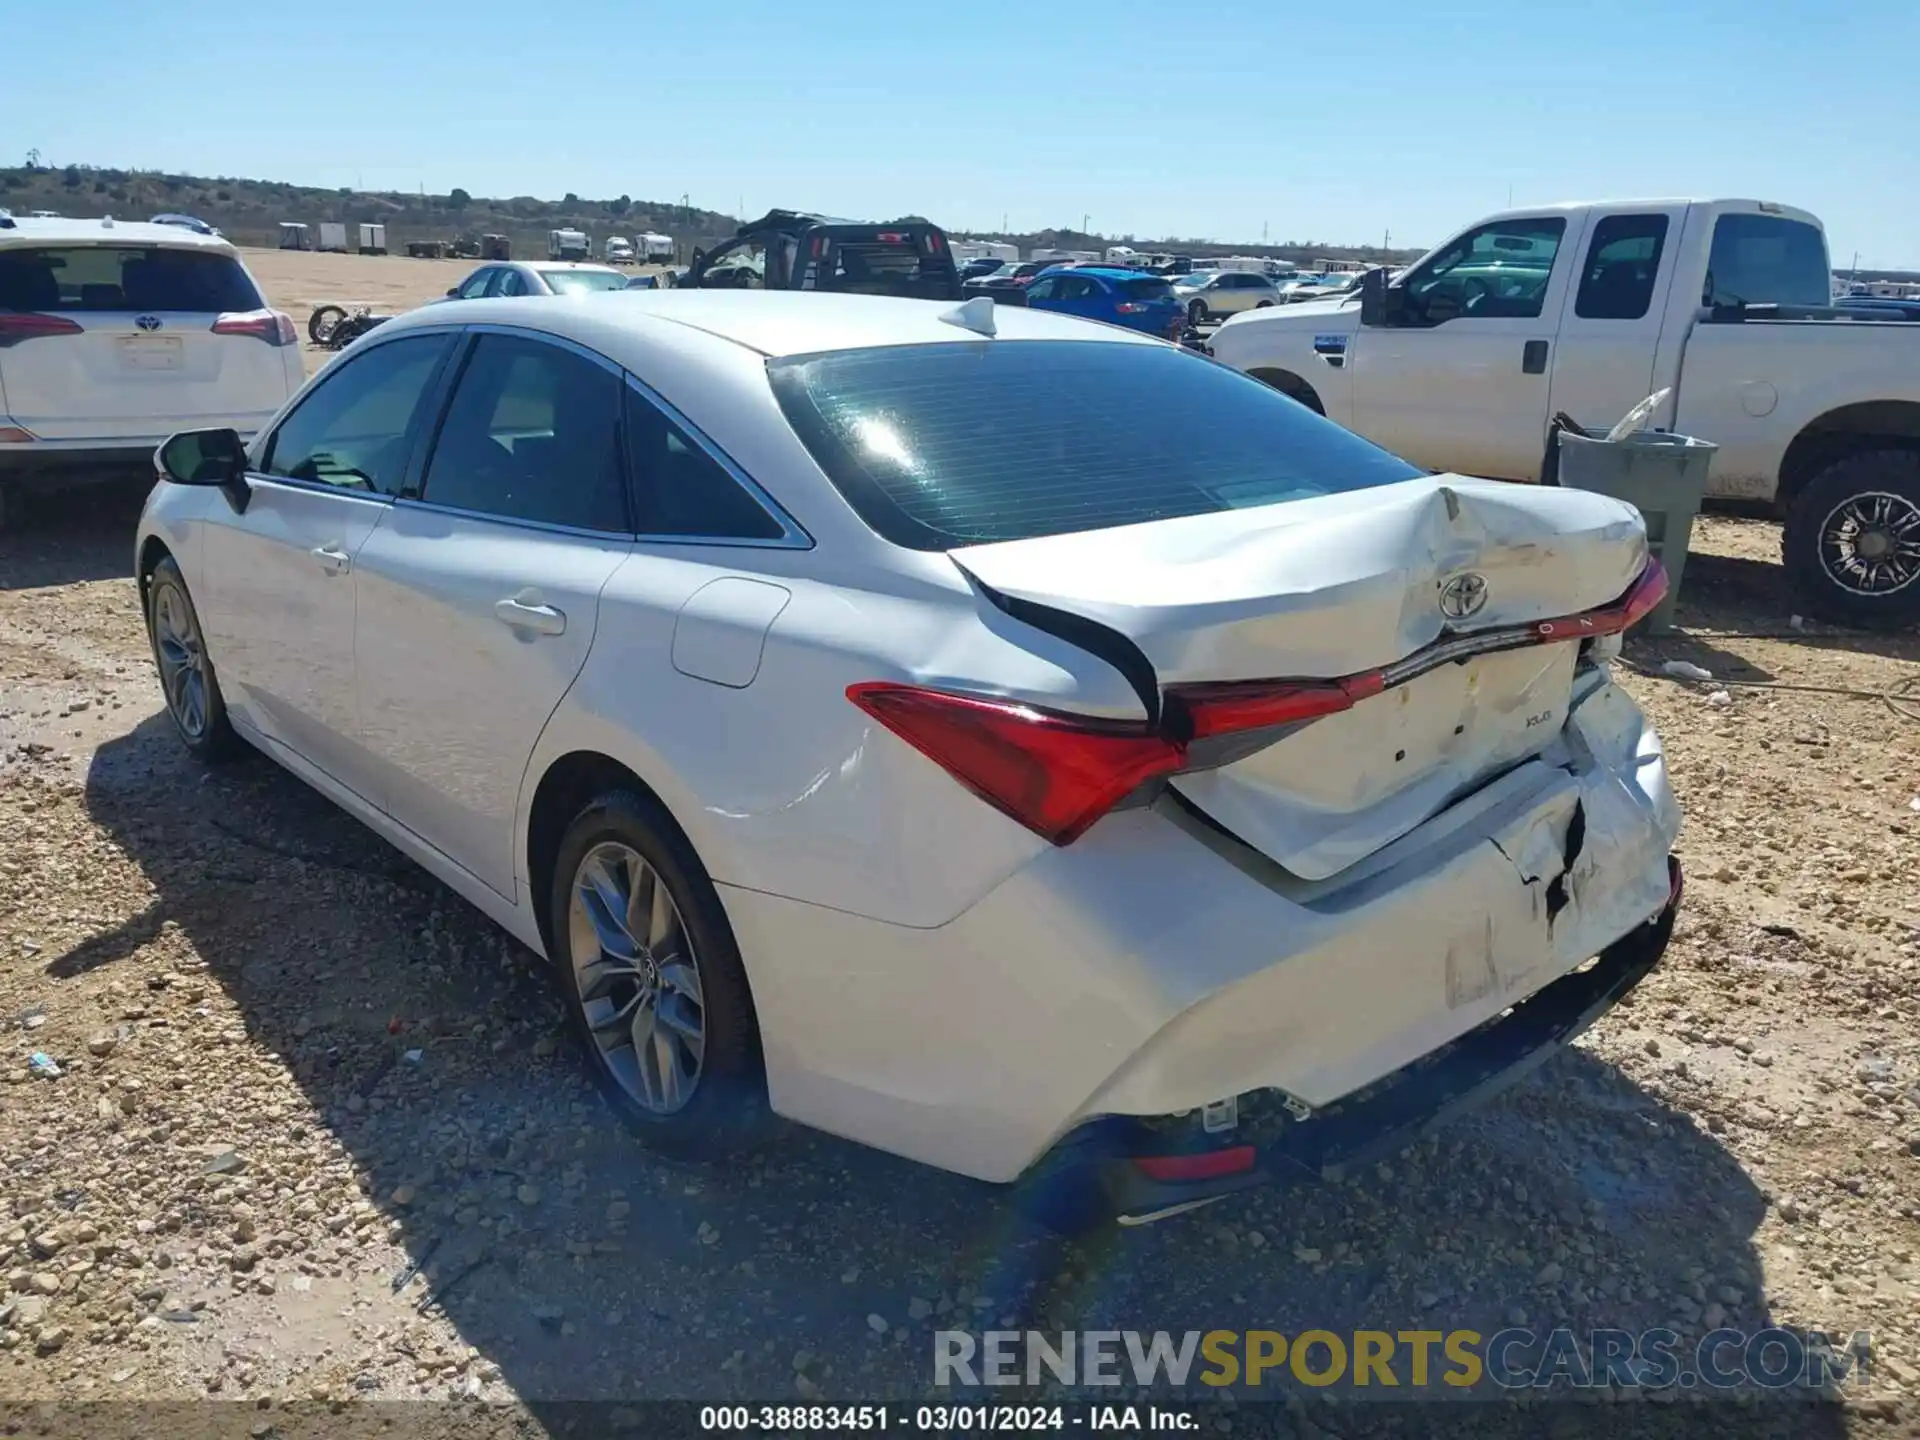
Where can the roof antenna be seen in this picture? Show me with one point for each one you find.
(975, 315)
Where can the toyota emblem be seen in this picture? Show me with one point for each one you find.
(148, 323)
(1463, 596)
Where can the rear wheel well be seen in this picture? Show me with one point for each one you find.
(1290, 384)
(569, 783)
(1870, 425)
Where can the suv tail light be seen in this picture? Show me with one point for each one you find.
(268, 325)
(1130, 307)
(29, 326)
(1056, 774)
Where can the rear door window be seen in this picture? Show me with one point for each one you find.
(942, 445)
(1623, 259)
(105, 278)
(1767, 260)
(532, 433)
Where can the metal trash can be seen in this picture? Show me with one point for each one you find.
(1662, 476)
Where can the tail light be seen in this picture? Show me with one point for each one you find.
(1056, 774)
(1131, 307)
(268, 325)
(15, 328)
(1204, 1165)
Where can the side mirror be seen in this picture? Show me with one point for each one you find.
(207, 457)
(1373, 298)
(453, 292)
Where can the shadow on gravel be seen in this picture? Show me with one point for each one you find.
(62, 539)
(590, 1270)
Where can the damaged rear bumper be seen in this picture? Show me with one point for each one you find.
(1141, 1176)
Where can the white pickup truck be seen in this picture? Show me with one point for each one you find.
(1459, 363)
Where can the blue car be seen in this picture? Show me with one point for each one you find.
(1119, 297)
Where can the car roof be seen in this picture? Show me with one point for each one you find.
(25, 230)
(773, 323)
(568, 265)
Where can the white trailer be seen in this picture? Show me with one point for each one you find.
(656, 249)
(373, 239)
(333, 236)
(569, 245)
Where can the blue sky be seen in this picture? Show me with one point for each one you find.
(1338, 122)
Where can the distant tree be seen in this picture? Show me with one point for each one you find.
(223, 195)
(99, 187)
(459, 199)
(620, 206)
(572, 199)
(71, 179)
(346, 191)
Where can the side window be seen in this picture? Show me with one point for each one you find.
(353, 429)
(1497, 272)
(476, 284)
(1076, 287)
(1043, 289)
(532, 433)
(1767, 260)
(681, 490)
(1622, 260)
(508, 282)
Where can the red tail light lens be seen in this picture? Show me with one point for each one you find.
(1623, 614)
(1207, 1165)
(1055, 774)
(268, 325)
(15, 328)
(1130, 307)
(1212, 710)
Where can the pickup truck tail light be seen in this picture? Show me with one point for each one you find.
(1057, 773)
(268, 325)
(30, 326)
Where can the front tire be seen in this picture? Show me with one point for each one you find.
(187, 680)
(1851, 543)
(652, 975)
(1196, 312)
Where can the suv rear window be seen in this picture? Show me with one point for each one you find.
(123, 277)
(959, 444)
(1144, 289)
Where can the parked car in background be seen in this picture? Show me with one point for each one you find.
(1010, 281)
(645, 282)
(617, 250)
(992, 727)
(1213, 293)
(115, 334)
(1113, 294)
(1879, 306)
(186, 222)
(1460, 362)
(980, 267)
(791, 250)
(537, 277)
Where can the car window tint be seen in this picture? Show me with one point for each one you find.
(511, 282)
(475, 285)
(1040, 290)
(942, 445)
(1622, 260)
(353, 427)
(1767, 260)
(80, 278)
(532, 433)
(1499, 271)
(679, 489)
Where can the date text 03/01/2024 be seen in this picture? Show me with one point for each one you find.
(940, 1419)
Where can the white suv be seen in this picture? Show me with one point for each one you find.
(114, 335)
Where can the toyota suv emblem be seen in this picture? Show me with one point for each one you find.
(147, 322)
(1463, 596)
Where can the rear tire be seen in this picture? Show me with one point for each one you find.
(1851, 543)
(187, 679)
(630, 1042)
(1196, 312)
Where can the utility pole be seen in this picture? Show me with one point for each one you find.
(1263, 232)
(1083, 224)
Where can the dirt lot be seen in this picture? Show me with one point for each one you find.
(319, 1132)
(298, 280)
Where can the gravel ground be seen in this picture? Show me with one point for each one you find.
(320, 1134)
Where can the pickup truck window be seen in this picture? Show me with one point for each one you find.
(1499, 271)
(1767, 260)
(1622, 260)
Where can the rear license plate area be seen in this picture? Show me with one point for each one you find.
(150, 352)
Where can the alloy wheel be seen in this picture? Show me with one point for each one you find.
(183, 660)
(1870, 543)
(637, 977)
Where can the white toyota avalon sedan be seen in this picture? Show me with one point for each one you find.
(1009, 741)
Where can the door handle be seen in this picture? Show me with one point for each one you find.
(525, 613)
(1533, 358)
(333, 559)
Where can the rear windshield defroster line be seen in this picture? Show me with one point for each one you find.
(943, 445)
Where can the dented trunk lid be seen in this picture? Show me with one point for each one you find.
(1335, 586)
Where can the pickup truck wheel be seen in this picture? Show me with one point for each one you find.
(1851, 545)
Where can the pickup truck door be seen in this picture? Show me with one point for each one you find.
(1460, 380)
(1616, 310)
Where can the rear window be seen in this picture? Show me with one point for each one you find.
(959, 444)
(582, 282)
(123, 277)
(1767, 260)
(889, 262)
(1144, 289)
